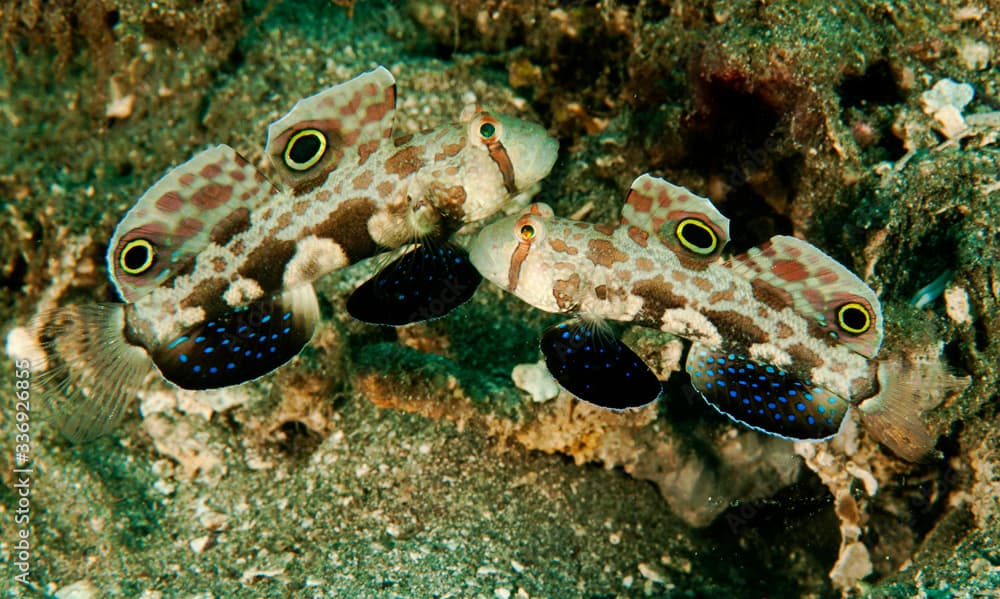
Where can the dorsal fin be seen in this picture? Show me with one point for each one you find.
(342, 124)
(786, 270)
(684, 221)
(208, 198)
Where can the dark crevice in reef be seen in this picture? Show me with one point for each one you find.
(877, 86)
(234, 60)
(685, 414)
(297, 441)
(982, 339)
(758, 535)
(915, 506)
(112, 17)
(738, 135)
(729, 131)
(891, 146)
(932, 500)
(934, 251)
(866, 100)
(585, 65)
(652, 12)
(124, 169)
(14, 273)
(752, 220)
(954, 356)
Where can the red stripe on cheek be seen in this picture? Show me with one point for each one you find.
(516, 259)
(499, 155)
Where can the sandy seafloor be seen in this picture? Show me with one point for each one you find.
(405, 463)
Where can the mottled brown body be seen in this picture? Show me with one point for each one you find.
(637, 273)
(365, 196)
(215, 263)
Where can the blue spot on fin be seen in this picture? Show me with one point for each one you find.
(204, 357)
(764, 397)
(598, 368)
(425, 283)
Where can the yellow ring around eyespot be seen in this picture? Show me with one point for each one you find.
(135, 243)
(311, 162)
(854, 306)
(704, 251)
(527, 232)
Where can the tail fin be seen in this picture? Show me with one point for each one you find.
(908, 388)
(86, 369)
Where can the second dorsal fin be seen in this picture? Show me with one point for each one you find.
(341, 124)
(765, 397)
(789, 271)
(208, 199)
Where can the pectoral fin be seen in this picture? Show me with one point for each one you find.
(598, 368)
(422, 284)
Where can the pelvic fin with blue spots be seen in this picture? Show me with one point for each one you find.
(598, 368)
(422, 284)
(241, 345)
(764, 397)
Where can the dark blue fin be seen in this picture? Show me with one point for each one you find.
(596, 367)
(764, 397)
(241, 345)
(425, 283)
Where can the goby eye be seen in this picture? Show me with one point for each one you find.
(488, 129)
(527, 232)
(854, 318)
